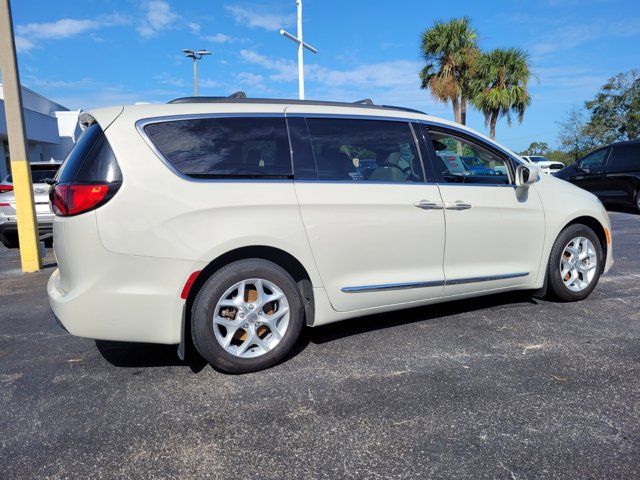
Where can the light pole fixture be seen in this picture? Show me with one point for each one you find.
(195, 55)
(301, 45)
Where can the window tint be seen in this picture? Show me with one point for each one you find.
(364, 150)
(625, 158)
(594, 160)
(462, 161)
(225, 147)
(90, 160)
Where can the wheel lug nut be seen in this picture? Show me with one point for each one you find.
(250, 307)
(241, 315)
(246, 325)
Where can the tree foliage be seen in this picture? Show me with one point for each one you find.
(543, 149)
(573, 135)
(536, 148)
(500, 86)
(450, 52)
(615, 110)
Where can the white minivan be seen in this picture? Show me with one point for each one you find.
(230, 223)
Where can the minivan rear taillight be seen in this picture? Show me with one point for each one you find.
(73, 199)
(88, 178)
(6, 188)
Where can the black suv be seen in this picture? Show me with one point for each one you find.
(612, 173)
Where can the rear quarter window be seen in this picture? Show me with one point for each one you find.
(624, 158)
(247, 147)
(90, 160)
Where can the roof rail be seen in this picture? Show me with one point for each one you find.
(365, 101)
(241, 97)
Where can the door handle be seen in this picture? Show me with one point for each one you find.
(457, 205)
(427, 205)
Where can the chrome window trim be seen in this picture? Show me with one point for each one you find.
(434, 283)
(142, 123)
(351, 116)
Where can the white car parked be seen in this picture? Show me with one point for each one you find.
(546, 166)
(232, 223)
(40, 173)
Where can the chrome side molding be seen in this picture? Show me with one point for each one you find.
(433, 283)
(392, 286)
(490, 278)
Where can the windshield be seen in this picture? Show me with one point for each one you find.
(538, 159)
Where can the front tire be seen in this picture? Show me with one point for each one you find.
(575, 264)
(247, 316)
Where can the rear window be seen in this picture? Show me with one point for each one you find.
(254, 147)
(625, 158)
(91, 160)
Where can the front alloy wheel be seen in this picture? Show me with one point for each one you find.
(575, 263)
(578, 264)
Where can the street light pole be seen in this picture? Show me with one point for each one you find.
(301, 44)
(20, 168)
(195, 55)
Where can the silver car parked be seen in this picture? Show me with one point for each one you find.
(40, 171)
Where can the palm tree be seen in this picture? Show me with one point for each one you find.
(500, 87)
(450, 52)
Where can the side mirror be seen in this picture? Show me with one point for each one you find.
(586, 170)
(526, 175)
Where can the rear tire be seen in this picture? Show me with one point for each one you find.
(9, 240)
(575, 264)
(638, 201)
(247, 316)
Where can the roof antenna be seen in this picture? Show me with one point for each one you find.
(365, 101)
(238, 94)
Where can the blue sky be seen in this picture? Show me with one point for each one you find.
(102, 52)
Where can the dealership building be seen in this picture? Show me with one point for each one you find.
(51, 129)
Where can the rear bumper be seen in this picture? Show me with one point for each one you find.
(95, 293)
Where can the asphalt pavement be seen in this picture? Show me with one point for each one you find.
(497, 387)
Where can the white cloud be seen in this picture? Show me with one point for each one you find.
(194, 27)
(393, 73)
(63, 28)
(250, 79)
(158, 17)
(284, 70)
(27, 35)
(256, 16)
(571, 36)
(168, 79)
(218, 38)
(208, 82)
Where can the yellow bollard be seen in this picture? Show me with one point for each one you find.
(20, 168)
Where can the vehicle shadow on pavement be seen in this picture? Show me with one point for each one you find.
(620, 209)
(142, 355)
(381, 321)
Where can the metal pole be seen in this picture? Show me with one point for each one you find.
(300, 54)
(195, 77)
(20, 168)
